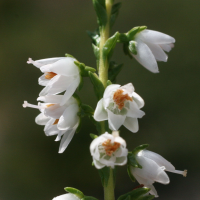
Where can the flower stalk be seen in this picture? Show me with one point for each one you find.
(103, 76)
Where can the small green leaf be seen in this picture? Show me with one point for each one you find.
(79, 126)
(126, 50)
(123, 38)
(109, 46)
(139, 148)
(83, 69)
(98, 86)
(89, 198)
(131, 34)
(88, 110)
(94, 36)
(74, 191)
(114, 13)
(130, 174)
(132, 160)
(104, 175)
(135, 194)
(114, 70)
(109, 82)
(97, 124)
(99, 6)
(90, 69)
(68, 55)
(132, 47)
(146, 197)
(93, 136)
(96, 51)
(81, 83)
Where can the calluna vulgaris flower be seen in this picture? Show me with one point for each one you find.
(108, 150)
(58, 120)
(68, 196)
(153, 170)
(120, 105)
(60, 74)
(150, 48)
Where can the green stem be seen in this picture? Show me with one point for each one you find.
(103, 76)
(109, 189)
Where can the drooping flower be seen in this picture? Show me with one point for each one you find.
(108, 150)
(120, 105)
(60, 74)
(68, 196)
(150, 46)
(153, 170)
(58, 120)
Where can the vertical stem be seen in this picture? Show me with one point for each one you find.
(109, 190)
(103, 76)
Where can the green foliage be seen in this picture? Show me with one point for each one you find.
(132, 161)
(114, 13)
(89, 198)
(98, 86)
(74, 191)
(84, 69)
(108, 83)
(104, 175)
(100, 8)
(109, 46)
(95, 37)
(114, 70)
(139, 148)
(126, 50)
(132, 47)
(131, 34)
(137, 194)
(130, 174)
(93, 136)
(68, 55)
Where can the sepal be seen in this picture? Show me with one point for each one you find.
(93, 136)
(137, 194)
(84, 69)
(130, 174)
(108, 83)
(68, 55)
(139, 148)
(100, 8)
(89, 198)
(114, 70)
(114, 13)
(131, 34)
(104, 175)
(132, 161)
(126, 50)
(109, 46)
(132, 47)
(74, 191)
(98, 85)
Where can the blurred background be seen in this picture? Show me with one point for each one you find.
(30, 166)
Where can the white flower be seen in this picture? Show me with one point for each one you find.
(150, 48)
(58, 120)
(60, 74)
(108, 150)
(120, 105)
(68, 196)
(153, 170)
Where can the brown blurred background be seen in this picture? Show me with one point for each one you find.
(30, 167)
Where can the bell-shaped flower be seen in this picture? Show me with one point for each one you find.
(153, 170)
(68, 196)
(108, 150)
(60, 74)
(150, 47)
(58, 120)
(120, 105)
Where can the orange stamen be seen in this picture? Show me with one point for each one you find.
(56, 122)
(119, 98)
(50, 75)
(49, 105)
(109, 147)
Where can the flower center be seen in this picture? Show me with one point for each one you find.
(109, 147)
(50, 75)
(56, 122)
(119, 98)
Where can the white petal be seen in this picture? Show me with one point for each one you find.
(66, 139)
(158, 159)
(50, 98)
(155, 37)
(65, 67)
(134, 111)
(110, 89)
(145, 57)
(41, 119)
(68, 196)
(70, 90)
(166, 47)
(138, 99)
(131, 124)
(43, 81)
(69, 118)
(100, 113)
(158, 53)
(54, 111)
(115, 121)
(98, 165)
(51, 129)
(128, 87)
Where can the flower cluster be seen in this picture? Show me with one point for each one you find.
(59, 113)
